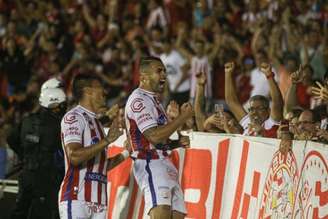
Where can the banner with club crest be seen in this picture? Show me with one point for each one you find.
(233, 176)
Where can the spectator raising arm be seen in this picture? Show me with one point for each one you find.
(277, 101)
(199, 101)
(230, 93)
(291, 97)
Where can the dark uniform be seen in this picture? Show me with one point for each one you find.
(37, 142)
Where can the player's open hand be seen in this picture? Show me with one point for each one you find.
(172, 110)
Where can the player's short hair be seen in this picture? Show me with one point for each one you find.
(82, 81)
(261, 98)
(146, 62)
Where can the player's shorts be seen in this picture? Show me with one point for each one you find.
(76, 209)
(159, 181)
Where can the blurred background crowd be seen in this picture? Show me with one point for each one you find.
(40, 39)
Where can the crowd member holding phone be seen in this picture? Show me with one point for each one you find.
(220, 121)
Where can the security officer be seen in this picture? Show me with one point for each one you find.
(37, 142)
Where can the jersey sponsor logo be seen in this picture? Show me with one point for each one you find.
(96, 177)
(144, 118)
(70, 119)
(72, 131)
(137, 105)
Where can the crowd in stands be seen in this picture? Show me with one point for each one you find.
(219, 54)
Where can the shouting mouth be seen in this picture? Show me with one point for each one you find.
(162, 83)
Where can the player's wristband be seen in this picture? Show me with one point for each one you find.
(270, 76)
(125, 154)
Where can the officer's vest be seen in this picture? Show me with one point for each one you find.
(40, 138)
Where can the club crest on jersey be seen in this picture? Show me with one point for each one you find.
(70, 119)
(137, 105)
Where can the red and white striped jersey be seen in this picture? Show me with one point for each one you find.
(88, 181)
(142, 111)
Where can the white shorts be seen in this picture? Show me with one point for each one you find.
(159, 181)
(76, 209)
